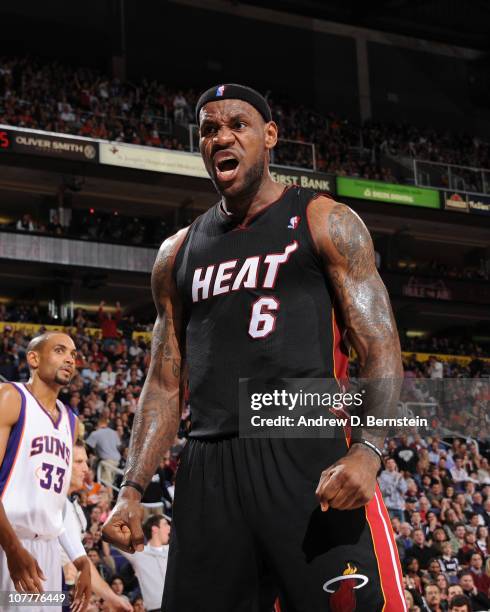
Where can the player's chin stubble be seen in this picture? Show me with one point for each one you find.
(61, 380)
(251, 181)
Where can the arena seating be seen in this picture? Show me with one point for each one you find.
(443, 483)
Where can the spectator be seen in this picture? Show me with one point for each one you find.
(433, 597)
(443, 584)
(486, 512)
(117, 586)
(180, 108)
(404, 539)
(91, 488)
(435, 368)
(75, 523)
(405, 456)
(421, 550)
(138, 605)
(156, 499)
(478, 601)
(54, 226)
(469, 547)
(393, 486)
(150, 564)
(460, 603)
(458, 473)
(448, 562)
(25, 224)
(108, 377)
(108, 324)
(105, 443)
(480, 578)
(454, 590)
(103, 569)
(413, 574)
(482, 539)
(411, 607)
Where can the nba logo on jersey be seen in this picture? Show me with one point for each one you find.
(220, 90)
(294, 222)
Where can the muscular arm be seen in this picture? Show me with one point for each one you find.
(23, 568)
(9, 415)
(345, 246)
(157, 417)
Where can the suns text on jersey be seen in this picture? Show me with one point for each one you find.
(51, 446)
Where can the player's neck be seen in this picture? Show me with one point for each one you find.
(45, 394)
(246, 205)
(155, 543)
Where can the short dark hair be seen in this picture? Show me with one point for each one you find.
(460, 600)
(152, 521)
(117, 577)
(465, 572)
(431, 584)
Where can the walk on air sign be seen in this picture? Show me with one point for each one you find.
(387, 192)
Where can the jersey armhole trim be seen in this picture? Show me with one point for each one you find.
(71, 420)
(181, 246)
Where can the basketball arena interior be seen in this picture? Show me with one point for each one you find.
(385, 106)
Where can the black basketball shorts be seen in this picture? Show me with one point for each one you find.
(248, 534)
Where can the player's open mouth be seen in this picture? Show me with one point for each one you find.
(226, 168)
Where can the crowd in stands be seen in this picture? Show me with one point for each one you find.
(51, 96)
(99, 227)
(148, 232)
(437, 490)
(437, 269)
(443, 345)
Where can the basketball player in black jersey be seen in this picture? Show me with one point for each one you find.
(266, 283)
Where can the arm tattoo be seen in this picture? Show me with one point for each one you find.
(157, 417)
(366, 312)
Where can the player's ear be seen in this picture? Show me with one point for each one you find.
(270, 129)
(33, 360)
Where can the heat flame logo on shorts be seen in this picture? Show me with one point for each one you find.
(344, 599)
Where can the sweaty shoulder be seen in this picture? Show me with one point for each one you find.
(10, 403)
(168, 250)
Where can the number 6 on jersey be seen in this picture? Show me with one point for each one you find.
(262, 321)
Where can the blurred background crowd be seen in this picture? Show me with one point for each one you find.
(83, 101)
(437, 489)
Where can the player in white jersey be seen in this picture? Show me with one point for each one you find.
(36, 445)
(76, 524)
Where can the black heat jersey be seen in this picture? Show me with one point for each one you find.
(257, 303)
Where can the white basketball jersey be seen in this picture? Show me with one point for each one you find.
(36, 470)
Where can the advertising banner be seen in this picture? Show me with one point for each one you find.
(47, 144)
(304, 178)
(152, 159)
(479, 204)
(468, 203)
(387, 192)
(189, 164)
(455, 201)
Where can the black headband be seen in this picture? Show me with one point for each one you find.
(235, 92)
